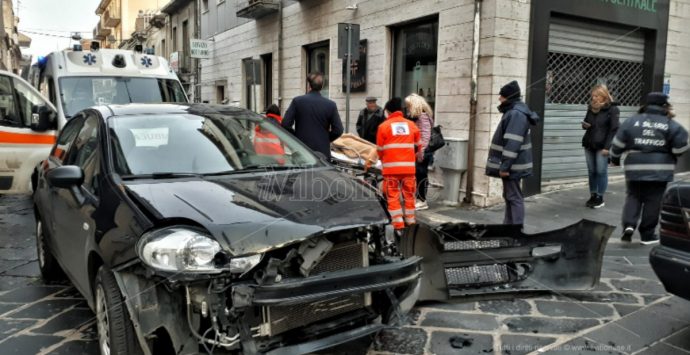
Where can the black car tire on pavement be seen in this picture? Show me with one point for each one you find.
(115, 329)
(47, 264)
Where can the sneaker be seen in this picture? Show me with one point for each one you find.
(591, 200)
(598, 202)
(649, 241)
(421, 205)
(627, 234)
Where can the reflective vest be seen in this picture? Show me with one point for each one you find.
(396, 140)
(267, 143)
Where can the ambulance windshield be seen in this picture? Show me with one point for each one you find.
(78, 93)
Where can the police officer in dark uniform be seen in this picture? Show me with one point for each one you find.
(653, 142)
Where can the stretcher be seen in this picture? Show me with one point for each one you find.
(357, 157)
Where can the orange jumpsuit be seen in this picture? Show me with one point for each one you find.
(396, 140)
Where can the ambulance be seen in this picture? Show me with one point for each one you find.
(64, 83)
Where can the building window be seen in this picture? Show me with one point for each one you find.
(184, 60)
(174, 39)
(414, 56)
(163, 48)
(267, 60)
(204, 5)
(220, 94)
(318, 61)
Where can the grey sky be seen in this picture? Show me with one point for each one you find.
(56, 18)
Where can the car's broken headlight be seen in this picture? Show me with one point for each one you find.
(187, 250)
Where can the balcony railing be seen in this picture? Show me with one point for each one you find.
(100, 32)
(257, 8)
(111, 18)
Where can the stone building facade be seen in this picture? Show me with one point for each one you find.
(426, 46)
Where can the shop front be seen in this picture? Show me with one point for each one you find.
(575, 45)
(415, 55)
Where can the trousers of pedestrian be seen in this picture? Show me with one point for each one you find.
(643, 197)
(393, 187)
(422, 175)
(515, 203)
(597, 165)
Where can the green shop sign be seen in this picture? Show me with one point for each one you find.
(642, 5)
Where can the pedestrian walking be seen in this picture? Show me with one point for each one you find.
(601, 123)
(653, 141)
(421, 114)
(510, 154)
(369, 120)
(397, 140)
(267, 143)
(316, 119)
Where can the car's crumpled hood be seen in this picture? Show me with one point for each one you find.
(259, 212)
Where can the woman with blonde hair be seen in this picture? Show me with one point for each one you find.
(601, 123)
(422, 115)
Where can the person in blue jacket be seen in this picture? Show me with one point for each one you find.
(653, 141)
(316, 119)
(510, 153)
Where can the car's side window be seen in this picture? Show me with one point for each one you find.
(28, 101)
(84, 151)
(8, 109)
(66, 138)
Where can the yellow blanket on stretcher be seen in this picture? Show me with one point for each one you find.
(356, 148)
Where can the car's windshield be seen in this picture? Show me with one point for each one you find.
(78, 93)
(169, 144)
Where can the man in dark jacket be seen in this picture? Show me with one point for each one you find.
(316, 119)
(653, 141)
(369, 120)
(510, 154)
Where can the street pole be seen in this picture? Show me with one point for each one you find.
(254, 85)
(348, 66)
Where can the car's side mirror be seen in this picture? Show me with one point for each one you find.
(70, 177)
(66, 177)
(43, 119)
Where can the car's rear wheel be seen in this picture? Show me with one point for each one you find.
(115, 330)
(50, 269)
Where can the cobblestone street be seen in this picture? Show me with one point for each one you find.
(628, 313)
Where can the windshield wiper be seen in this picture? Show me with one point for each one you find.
(254, 168)
(270, 167)
(160, 175)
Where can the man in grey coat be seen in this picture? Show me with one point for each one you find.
(510, 154)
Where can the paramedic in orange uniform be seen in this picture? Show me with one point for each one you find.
(397, 140)
(265, 142)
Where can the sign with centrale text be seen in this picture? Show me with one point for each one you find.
(643, 5)
(200, 49)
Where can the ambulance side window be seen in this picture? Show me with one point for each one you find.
(8, 109)
(28, 101)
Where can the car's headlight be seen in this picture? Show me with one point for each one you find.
(186, 250)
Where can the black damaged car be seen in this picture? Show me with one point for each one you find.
(671, 259)
(183, 238)
(196, 229)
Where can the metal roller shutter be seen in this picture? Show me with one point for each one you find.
(580, 56)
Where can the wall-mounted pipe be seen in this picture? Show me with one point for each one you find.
(469, 189)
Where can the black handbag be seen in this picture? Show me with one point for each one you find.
(436, 142)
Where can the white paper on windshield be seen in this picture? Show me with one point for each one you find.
(150, 137)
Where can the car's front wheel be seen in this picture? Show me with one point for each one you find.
(47, 264)
(115, 330)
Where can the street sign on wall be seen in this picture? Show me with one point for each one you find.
(200, 49)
